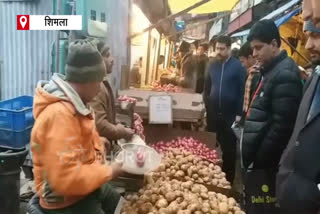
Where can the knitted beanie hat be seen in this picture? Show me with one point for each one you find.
(84, 62)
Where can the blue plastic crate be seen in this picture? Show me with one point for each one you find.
(16, 114)
(16, 122)
(14, 140)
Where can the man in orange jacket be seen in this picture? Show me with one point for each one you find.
(68, 154)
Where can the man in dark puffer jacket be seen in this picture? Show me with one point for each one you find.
(272, 114)
(298, 179)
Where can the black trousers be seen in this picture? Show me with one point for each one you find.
(102, 201)
(228, 142)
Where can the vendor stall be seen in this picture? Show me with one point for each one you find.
(145, 49)
(188, 179)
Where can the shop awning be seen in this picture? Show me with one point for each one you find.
(212, 6)
(274, 14)
(287, 17)
(281, 9)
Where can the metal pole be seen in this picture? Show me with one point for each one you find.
(73, 12)
(58, 39)
(303, 57)
(129, 32)
(158, 55)
(170, 18)
(148, 58)
(1, 62)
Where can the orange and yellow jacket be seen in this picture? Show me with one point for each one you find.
(68, 155)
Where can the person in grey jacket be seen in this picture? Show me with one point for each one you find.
(298, 179)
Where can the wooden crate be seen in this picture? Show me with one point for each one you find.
(129, 182)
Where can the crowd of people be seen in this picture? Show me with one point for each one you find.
(262, 92)
(278, 110)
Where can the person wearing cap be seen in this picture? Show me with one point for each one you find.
(298, 179)
(70, 170)
(104, 104)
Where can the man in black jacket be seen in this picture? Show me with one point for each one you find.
(298, 180)
(274, 106)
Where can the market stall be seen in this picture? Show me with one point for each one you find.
(189, 169)
(155, 66)
(150, 52)
(188, 178)
(144, 48)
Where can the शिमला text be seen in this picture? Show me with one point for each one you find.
(57, 22)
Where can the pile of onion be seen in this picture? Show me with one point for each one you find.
(166, 88)
(191, 145)
(125, 98)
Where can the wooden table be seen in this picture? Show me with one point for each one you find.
(187, 107)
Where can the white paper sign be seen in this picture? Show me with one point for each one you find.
(160, 109)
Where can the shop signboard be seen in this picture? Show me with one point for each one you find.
(195, 33)
(241, 21)
(244, 6)
(235, 11)
(241, 7)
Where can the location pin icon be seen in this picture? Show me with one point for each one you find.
(23, 21)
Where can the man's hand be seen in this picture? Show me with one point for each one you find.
(129, 133)
(125, 133)
(116, 169)
(236, 123)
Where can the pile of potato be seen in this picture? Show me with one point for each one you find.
(167, 196)
(184, 166)
(178, 186)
